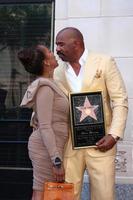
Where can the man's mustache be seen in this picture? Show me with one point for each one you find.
(60, 53)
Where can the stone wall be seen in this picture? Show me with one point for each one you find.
(107, 26)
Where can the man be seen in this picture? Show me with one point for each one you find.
(83, 71)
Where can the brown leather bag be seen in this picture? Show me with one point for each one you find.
(58, 191)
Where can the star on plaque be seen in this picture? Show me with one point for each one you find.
(87, 110)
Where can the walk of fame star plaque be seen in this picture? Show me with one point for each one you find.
(87, 118)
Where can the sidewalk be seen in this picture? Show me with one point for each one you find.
(123, 192)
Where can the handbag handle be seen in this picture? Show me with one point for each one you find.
(55, 185)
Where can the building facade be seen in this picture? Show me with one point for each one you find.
(107, 26)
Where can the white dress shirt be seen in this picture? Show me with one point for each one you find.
(76, 80)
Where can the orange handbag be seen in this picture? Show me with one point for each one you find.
(58, 191)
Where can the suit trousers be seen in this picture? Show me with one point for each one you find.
(101, 172)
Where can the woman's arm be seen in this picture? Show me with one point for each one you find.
(44, 109)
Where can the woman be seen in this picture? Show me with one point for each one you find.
(50, 119)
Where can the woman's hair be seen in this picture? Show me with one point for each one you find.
(32, 59)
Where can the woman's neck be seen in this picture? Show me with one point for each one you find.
(48, 75)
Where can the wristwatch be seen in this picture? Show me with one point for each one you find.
(57, 162)
(115, 137)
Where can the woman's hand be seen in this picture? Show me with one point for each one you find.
(59, 173)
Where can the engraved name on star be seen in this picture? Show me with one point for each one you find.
(87, 110)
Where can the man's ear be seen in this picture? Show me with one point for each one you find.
(76, 44)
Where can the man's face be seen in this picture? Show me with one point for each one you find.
(65, 47)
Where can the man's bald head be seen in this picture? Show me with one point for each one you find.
(72, 33)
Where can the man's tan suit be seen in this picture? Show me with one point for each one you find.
(100, 74)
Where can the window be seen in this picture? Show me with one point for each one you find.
(22, 24)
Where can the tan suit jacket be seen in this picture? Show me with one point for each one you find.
(101, 74)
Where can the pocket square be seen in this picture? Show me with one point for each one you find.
(98, 73)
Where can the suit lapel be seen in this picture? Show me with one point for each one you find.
(64, 80)
(89, 72)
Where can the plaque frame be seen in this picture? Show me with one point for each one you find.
(87, 118)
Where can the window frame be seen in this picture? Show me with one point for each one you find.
(24, 1)
(16, 121)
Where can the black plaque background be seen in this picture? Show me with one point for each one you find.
(87, 132)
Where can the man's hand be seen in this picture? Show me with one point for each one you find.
(106, 143)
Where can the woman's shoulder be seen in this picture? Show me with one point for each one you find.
(41, 81)
(28, 99)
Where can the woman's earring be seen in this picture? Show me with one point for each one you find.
(46, 63)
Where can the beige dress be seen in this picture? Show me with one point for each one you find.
(50, 118)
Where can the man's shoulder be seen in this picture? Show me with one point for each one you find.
(99, 55)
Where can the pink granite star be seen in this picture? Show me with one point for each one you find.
(87, 110)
